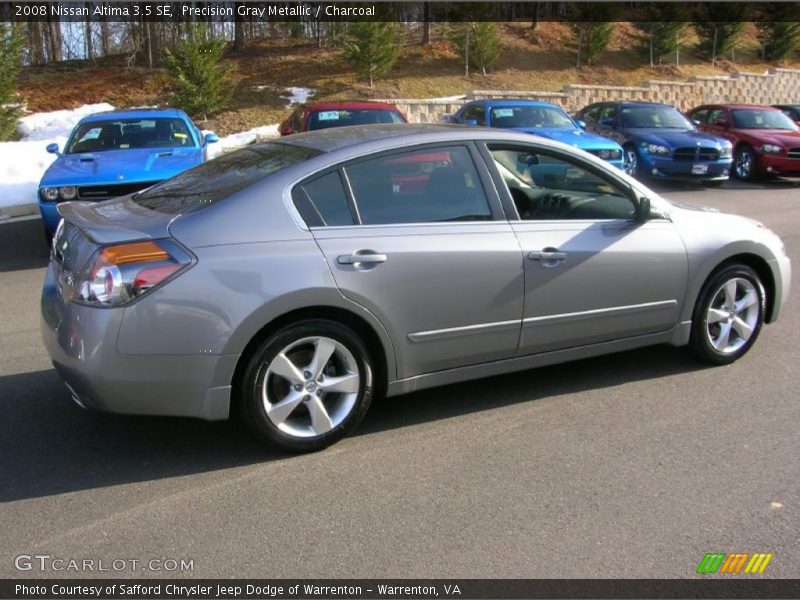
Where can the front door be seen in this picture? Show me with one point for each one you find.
(593, 273)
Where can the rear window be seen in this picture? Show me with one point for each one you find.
(215, 180)
(339, 118)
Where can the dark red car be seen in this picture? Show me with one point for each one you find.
(765, 140)
(322, 115)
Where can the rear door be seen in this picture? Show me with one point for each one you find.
(593, 273)
(419, 239)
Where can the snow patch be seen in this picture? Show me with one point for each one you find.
(23, 163)
(243, 138)
(298, 95)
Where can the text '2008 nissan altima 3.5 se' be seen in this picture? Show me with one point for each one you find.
(300, 278)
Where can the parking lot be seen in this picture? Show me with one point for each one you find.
(631, 465)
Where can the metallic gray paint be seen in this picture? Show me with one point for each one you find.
(452, 301)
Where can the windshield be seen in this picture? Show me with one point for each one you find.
(529, 116)
(339, 118)
(123, 134)
(215, 180)
(658, 117)
(759, 118)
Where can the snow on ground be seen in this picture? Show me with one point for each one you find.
(243, 138)
(23, 163)
(298, 95)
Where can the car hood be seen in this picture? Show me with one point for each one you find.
(121, 166)
(672, 138)
(782, 137)
(574, 137)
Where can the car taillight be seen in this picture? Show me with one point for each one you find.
(118, 274)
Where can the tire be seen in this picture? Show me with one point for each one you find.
(744, 164)
(634, 163)
(721, 333)
(289, 399)
(48, 237)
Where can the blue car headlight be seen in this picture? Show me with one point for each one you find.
(610, 154)
(68, 192)
(726, 151)
(49, 194)
(656, 149)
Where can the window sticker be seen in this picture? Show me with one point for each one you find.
(92, 134)
(503, 112)
(328, 115)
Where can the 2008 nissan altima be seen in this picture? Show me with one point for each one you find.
(301, 278)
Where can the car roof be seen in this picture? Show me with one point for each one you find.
(351, 105)
(740, 105)
(135, 113)
(378, 137)
(511, 102)
(637, 103)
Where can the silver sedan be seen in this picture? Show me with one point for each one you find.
(300, 278)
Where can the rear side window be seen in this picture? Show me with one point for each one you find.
(215, 180)
(323, 201)
(423, 186)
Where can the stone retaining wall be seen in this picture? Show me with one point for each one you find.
(775, 86)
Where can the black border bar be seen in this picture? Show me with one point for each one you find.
(732, 586)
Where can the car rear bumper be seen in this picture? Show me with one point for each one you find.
(667, 168)
(81, 341)
(779, 165)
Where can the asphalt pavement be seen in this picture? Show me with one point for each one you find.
(630, 465)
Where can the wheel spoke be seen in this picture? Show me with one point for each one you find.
(742, 328)
(346, 384)
(280, 411)
(715, 315)
(750, 298)
(724, 336)
(323, 350)
(730, 294)
(281, 365)
(320, 420)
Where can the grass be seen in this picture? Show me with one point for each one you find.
(531, 59)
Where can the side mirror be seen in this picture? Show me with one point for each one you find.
(285, 129)
(642, 210)
(470, 122)
(720, 123)
(212, 138)
(696, 121)
(581, 124)
(53, 149)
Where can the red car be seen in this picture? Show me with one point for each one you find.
(765, 140)
(322, 115)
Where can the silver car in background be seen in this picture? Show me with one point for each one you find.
(302, 277)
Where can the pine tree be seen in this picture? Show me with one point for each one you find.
(779, 30)
(661, 32)
(592, 25)
(478, 43)
(373, 49)
(203, 84)
(718, 26)
(10, 42)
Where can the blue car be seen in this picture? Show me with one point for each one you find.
(115, 153)
(539, 118)
(660, 142)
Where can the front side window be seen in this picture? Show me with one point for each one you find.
(592, 113)
(546, 187)
(700, 116)
(124, 134)
(759, 118)
(476, 113)
(423, 186)
(718, 117)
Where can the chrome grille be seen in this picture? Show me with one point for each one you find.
(697, 154)
(103, 192)
(793, 153)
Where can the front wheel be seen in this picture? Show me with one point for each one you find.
(728, 315)
(744, 163)
(632, 163)
(308, 385)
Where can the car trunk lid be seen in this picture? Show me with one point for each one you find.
(115, 221)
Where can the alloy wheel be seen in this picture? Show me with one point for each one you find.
(744, 164)
(732, 315)
(310, 387)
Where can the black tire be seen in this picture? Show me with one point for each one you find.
(700, 343)
(745, 153)
(253, 409)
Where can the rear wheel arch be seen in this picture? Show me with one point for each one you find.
(358, 324)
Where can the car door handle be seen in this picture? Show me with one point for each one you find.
(549, 257)
(361, 257)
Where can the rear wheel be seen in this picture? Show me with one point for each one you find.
(308, 385)
(728, 316)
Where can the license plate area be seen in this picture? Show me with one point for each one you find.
(698, 169)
